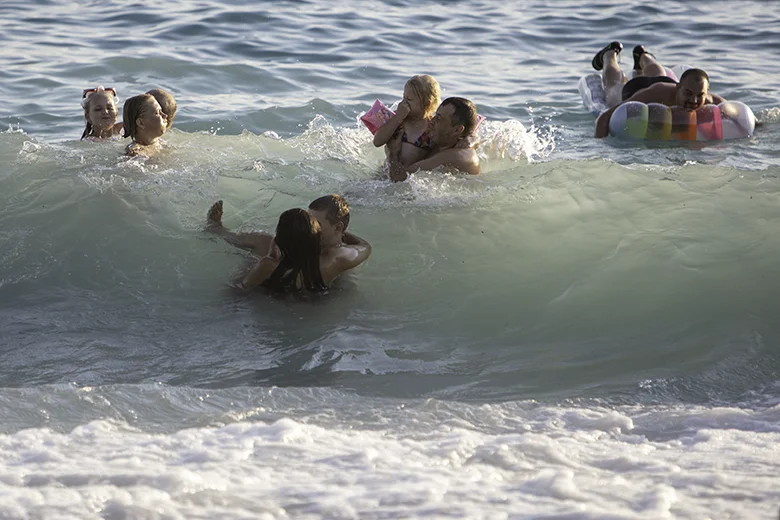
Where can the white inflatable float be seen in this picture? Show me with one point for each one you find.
(654, 121)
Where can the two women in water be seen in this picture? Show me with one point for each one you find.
(145, 118)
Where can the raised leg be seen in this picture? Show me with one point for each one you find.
(613, 78)
(645, 63)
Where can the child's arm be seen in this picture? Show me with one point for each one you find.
(386, 131)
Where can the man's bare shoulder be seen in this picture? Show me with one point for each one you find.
(464, 159)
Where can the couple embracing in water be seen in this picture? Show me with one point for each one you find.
(310, 249)
(425, 134)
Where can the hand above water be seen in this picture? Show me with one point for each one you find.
(403, 109)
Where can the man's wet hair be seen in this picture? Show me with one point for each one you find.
(167, 103)
(465, 113)
(696, 74)
(335, 207)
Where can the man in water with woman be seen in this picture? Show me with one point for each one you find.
(650, 84)
(310, 249)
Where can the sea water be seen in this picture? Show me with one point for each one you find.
(589, 329)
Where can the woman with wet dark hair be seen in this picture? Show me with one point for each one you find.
(297, 259)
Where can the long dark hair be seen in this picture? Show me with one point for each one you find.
(298, 237)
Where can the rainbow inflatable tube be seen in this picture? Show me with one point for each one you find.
(653, 121)
(637, 121)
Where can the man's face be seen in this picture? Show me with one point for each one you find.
(692, 94)
(331, 233)
(442, 129)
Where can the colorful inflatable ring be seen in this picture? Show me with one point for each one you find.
(653, 121)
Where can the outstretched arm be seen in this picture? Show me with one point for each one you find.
(259, 243)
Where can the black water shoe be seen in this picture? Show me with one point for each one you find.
(639, 50)
(598, 59)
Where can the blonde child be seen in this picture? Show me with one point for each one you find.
(144, 123)
(100, 113)
(167, 103)
(405, 134)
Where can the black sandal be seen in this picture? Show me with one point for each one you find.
(598, 59)
(639, 50)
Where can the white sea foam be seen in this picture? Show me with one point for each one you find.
(526, 461)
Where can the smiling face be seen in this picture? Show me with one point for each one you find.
(692, 92)
(101, 111)
(152, 120)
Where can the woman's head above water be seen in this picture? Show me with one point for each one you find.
(144, 120)
(100, 112)
(298, 233)
(299, 237)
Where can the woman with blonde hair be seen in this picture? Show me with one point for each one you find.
(100, 113)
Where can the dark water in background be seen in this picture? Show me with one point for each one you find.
(585, 311)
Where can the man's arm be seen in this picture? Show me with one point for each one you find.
(716, 99)
(462, 159)
(258, 242)
(354, 252)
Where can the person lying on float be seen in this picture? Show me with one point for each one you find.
(652, 86)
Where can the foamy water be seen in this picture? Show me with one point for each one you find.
(586, 330)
